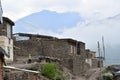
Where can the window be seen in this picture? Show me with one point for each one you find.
(78, 48)
(9, 31)
(71, 49)
(9, 41)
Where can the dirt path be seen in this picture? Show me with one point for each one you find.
(92, 74)
(95, 74)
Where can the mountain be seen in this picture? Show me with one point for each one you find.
(47, 21)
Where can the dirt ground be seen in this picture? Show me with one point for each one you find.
(92, 74)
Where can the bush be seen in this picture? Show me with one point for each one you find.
(50, 71)
(108, 76)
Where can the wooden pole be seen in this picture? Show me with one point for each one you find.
(100, 56)
(99, 49)
(103, 48)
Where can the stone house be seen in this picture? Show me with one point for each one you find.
(6, 41)
(71, 52)
(92, 60)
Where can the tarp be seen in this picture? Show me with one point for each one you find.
(2, 51)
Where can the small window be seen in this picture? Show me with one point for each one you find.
(73, 49)
(9, 31)
(78, 49)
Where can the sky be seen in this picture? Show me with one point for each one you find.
(101, 18)
(90, 9)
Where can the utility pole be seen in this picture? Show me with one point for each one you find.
(103, 49)
(99, 49)
(100, 57)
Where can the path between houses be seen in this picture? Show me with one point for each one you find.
(92, 74)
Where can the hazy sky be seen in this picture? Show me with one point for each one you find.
(90, 9)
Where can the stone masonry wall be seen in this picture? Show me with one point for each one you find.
(79, 65)
(71, 54)
(52, 48)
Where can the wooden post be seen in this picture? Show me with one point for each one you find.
(100, 57)
(103, 49)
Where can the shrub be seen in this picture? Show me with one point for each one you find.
(107, 76)
(50, 71)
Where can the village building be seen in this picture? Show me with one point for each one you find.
(6, 41)
(70, 52)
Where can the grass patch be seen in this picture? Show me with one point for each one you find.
(50, 71)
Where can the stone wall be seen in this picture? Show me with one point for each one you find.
(6, 41)
(2, 30)
(4, 27)
(71, 52)
(7, 45)
(19, 75)
(52, 48)
(94, 63)
(80, 66)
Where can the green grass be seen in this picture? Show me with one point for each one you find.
(50, 71)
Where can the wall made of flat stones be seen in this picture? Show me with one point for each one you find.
(61, 49)
(79, 65)
(51, 48)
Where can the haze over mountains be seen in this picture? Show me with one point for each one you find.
(73, 25)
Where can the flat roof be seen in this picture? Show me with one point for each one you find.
(36, 35)
(8, 20)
